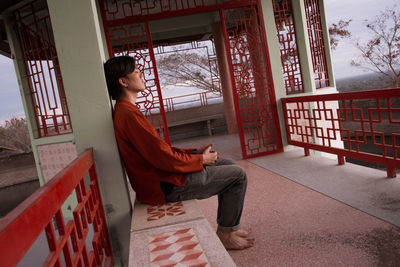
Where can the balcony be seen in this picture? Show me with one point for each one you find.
(303, 210)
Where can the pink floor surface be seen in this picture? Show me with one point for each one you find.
(296, 226)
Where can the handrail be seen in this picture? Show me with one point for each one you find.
(325, 122)
(171, 103)
(23, 225)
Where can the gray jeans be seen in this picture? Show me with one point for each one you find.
(225, 179)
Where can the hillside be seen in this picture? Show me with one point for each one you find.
(370, 81)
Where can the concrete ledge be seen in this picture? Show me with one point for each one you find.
(192, 243)
(147, 216)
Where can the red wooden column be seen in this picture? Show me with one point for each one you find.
(262, 84)
(225, 78)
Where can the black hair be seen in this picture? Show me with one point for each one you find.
(115, 68)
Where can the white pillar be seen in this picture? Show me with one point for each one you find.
(81, 52)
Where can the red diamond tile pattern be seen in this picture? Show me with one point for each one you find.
(168, 209)
(179, 248)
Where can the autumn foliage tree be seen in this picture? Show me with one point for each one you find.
(338, 31)
(381, 53)
(187, 69)
(14, 135)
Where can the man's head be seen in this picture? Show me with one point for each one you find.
(116, 68)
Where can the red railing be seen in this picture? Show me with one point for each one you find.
(182, 101)
(41, 212)
(348, 124)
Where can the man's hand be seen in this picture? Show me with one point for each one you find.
(200, 150)
(209, 157)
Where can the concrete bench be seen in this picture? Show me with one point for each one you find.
(174, 233)
(208, 119)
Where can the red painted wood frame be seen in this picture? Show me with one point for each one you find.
(254, 96)
(358, 119)
(286, 33)
(42, 69)
(317, 43)
(22, 226)
(255, 102)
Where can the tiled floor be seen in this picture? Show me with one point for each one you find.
(297, 225)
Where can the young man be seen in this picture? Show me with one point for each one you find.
(159, 172)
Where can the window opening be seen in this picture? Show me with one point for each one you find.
(188, 74)
(286, 32)
(317, 45)
(42, 69)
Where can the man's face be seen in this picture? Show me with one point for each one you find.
(134, 81)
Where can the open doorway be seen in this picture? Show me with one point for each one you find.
(236, 37)
(191, 89)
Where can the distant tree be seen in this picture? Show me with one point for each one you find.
(338, 31)
(14, 134)
(185, 68)
(381, 53)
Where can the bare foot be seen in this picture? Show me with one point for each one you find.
(234, 240)
(243, 233)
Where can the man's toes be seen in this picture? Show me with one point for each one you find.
(243, 233)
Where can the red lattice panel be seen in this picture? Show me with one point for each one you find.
(286, 32)
(179, 248)
(317, 44)
(367, 123)
(157, 212)
(67, 240)
(117, 10)
(42, 69)
(254, 96)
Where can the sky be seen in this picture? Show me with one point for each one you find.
(357, 10)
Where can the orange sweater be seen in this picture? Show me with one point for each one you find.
(147, 157)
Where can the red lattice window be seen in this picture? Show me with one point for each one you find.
(317, 45)
(42, 69)
(288, 46)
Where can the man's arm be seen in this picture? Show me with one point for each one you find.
(141, 134)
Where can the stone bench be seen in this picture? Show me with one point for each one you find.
(208, 119)
(174, 233)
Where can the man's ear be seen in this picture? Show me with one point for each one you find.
(122, 82)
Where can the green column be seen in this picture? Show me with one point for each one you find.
(81, 52)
